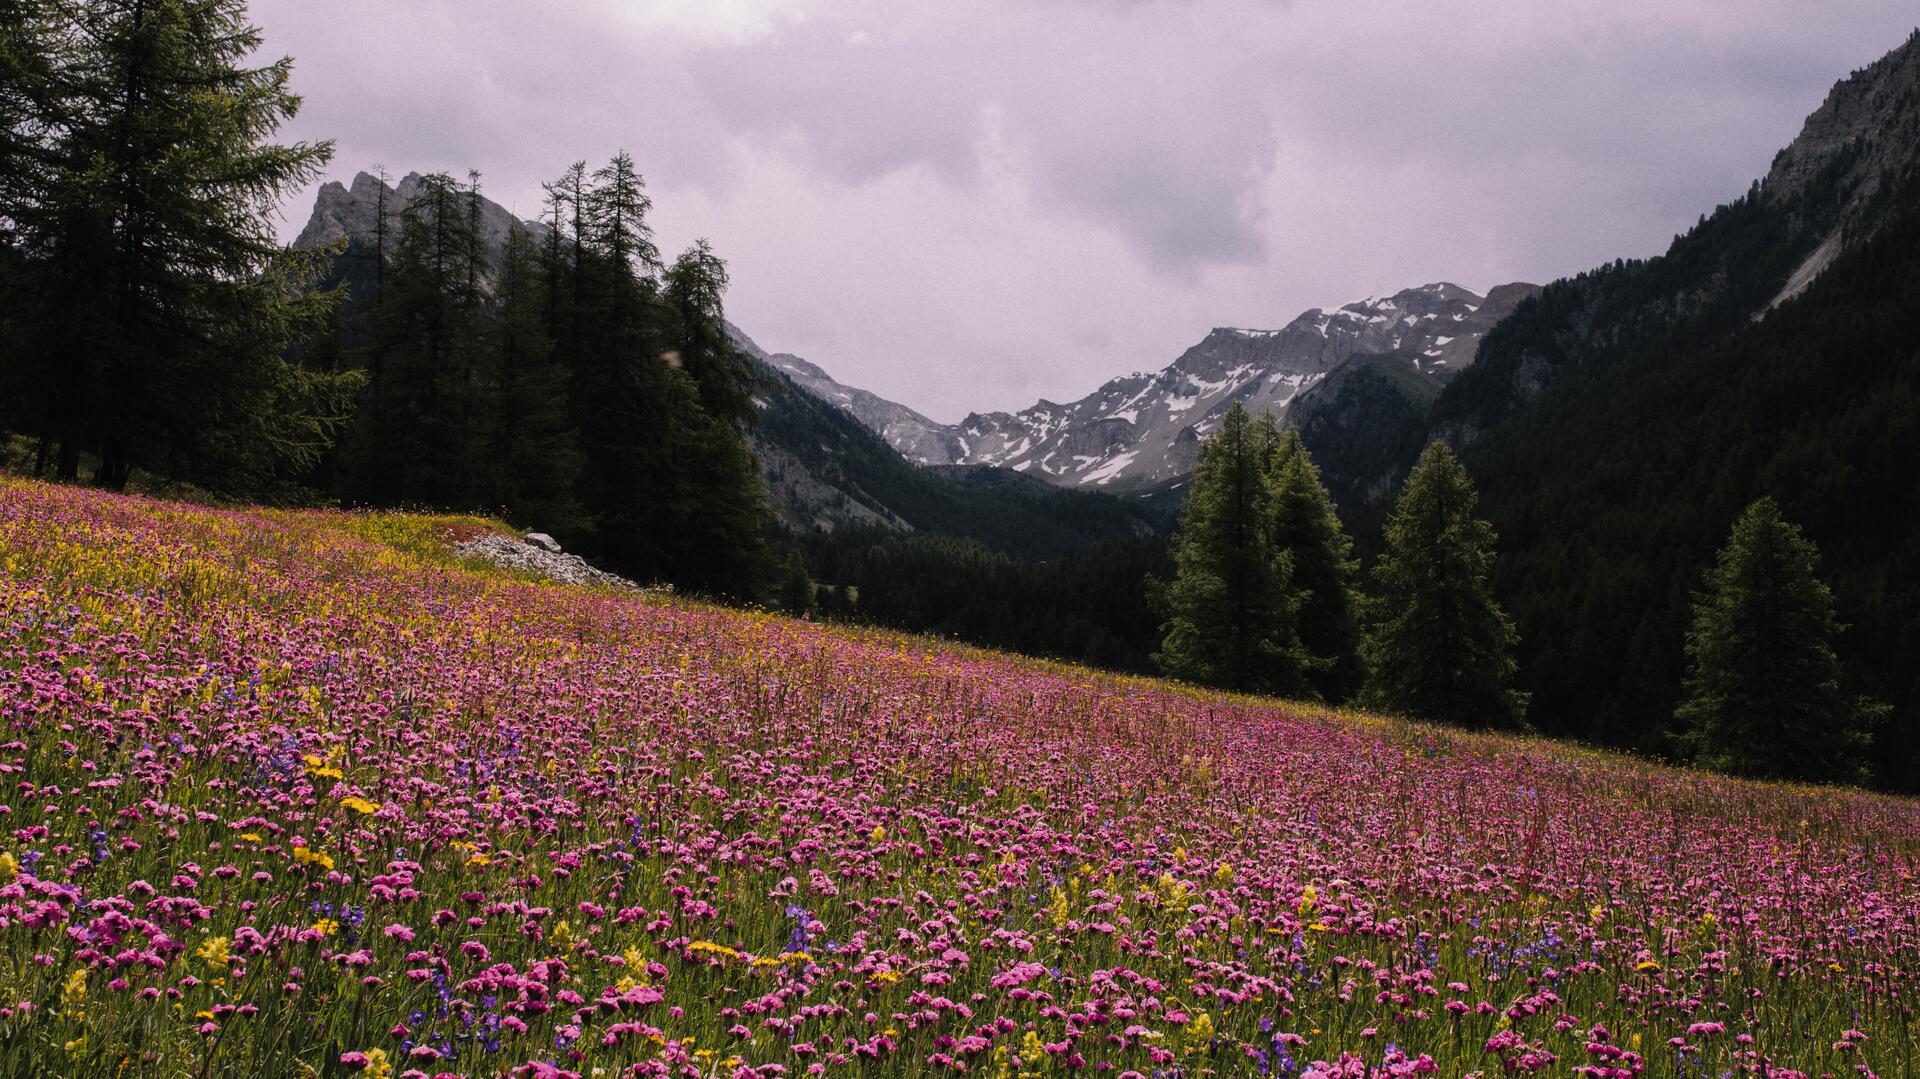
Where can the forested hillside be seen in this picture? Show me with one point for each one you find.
(1618, 423)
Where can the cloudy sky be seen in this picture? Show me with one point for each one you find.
(971, 204)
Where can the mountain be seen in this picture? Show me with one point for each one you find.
(1617, 423)
(1143, 430)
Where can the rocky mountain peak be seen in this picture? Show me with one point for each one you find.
(352, 212)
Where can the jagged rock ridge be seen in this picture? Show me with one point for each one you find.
(353, 213)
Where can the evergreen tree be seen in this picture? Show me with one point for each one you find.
(796, 587)
(535, 457)
(1441, 647)
(1763, 683)
(1307, 531)
(1230, 609)
(696, 285)
(163, 303)
(722, 538)
(419, 435)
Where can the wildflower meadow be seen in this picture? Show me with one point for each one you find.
(299, 794)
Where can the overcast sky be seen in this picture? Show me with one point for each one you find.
(969, 205)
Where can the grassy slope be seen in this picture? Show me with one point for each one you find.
(297, 793)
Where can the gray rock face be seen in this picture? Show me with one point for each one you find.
(354, 213)
(542, 541)
(1143, 429)
(1868, 129)
(1870, 118)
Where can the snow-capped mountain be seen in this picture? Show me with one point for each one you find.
(1145, 428)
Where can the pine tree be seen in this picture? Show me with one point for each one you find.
(1307, 531)
(535, 457)
(419, 437)
(166, 303)
(1230, 609)
(724, 518)
(796, 587)
(1764, 696)
(1441, 647)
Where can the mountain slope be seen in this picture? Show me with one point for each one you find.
(1618, 422)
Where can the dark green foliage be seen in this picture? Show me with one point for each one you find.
(1441, 647)
(150, 305)
(1763, 683)
(1307, 532)
(695, 286)
(1231, 610)
(795, 595)
(423, 424)
(1085, 606)
(533, 457)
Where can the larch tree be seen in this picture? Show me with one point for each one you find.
(166, 301)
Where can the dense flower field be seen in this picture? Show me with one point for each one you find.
(296, 794)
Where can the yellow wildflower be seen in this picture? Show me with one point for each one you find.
(878, 835)
(707, 947)
(883, 978)
(214, 951)
(252, 837)
(309, 856)
(1647, 966)
(361, 805)
(73, 994)
(1224, 874)
(378, 1066)
(9, 867)
(1200, 1033)
(1057, 911)
(1308, 897)
(326, 927)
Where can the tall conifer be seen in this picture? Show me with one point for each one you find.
(166, 302)
(1307, 531)
(1441, 647)
(1763, 684)
(1230, 609)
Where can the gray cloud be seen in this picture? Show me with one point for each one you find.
(966, 205)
